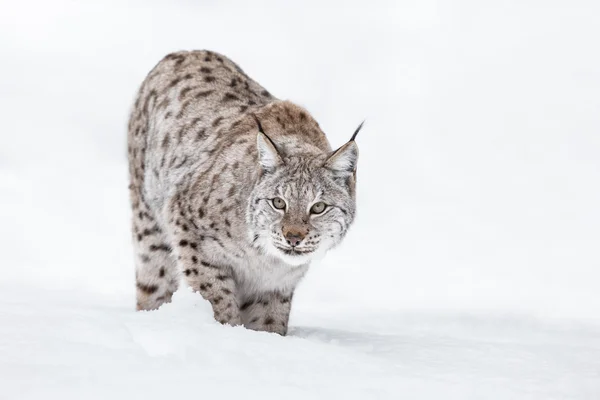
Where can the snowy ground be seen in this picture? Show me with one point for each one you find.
(80, 347)
(472, 271)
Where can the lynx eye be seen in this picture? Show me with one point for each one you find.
(318, 208)
(278, 203)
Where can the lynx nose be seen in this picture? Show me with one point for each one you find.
(294, 237)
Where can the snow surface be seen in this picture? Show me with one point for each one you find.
(472, 271)
(77, 347)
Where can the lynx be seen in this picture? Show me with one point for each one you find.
(231, 189)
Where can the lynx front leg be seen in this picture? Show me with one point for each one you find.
(214, 282)
(268, 312)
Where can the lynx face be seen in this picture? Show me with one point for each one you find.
(302, 206)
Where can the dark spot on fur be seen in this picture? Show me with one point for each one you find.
(216, 122)
(208, 265)
(159, 247)
(280, 121)
(246, 304)
(147, 289)
(183, 92)
(288, 113)
(209, 78)
(178, 61)
(149, 232)
(230, 97)
(204, 93)
(201, 133)
(182, 163)
(183, 243)
(269, 320)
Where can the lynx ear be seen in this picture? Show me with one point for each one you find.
(268, 156)
(344, 159)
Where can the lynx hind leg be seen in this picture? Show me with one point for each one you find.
(268, 312)
(156, 276)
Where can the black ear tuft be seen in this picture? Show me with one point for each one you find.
(260, 128)
(356, 131)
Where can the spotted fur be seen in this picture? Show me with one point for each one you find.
(209, 149)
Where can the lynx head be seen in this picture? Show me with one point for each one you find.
(303, 204)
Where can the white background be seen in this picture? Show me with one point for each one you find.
(478, 183)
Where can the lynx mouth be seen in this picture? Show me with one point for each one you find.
(290, 251)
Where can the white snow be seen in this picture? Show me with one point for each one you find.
(71, 346)
(472, 271)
